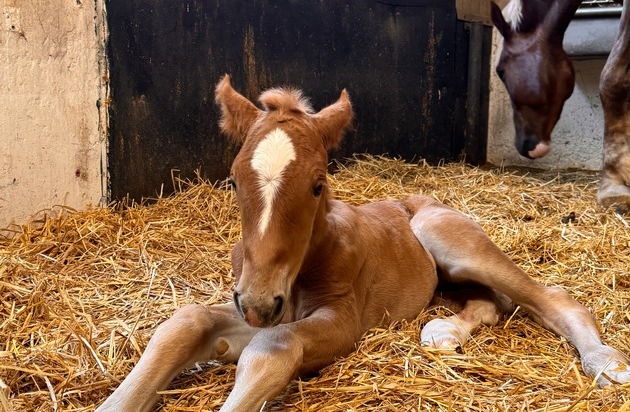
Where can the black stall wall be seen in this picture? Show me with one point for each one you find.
(404, 66)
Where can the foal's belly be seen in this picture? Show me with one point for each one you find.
(399, 277)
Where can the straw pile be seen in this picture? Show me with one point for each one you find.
(82, 293)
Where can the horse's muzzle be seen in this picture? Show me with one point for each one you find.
(531, 147)
(260, 313)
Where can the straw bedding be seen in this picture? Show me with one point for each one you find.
(81, 294)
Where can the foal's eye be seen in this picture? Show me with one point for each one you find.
(318, 189)
(231, 183)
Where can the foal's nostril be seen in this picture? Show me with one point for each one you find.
(237, 303)
(277, 306)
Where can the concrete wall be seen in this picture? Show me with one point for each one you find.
(577, 140)
(52, 140)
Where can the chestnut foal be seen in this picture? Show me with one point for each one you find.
(313, 274)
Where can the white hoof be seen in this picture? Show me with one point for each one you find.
(443, 334)
(608, 364)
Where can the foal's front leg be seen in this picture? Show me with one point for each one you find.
(277, 355)
(194, 333)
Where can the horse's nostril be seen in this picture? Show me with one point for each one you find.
(529, 144)
(526, 145)
(277, 307)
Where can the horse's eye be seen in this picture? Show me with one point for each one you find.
(231, 182)
(318, 189)
(501, 73)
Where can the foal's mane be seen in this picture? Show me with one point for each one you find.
(285, 100)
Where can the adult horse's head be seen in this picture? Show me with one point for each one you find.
(535, 69)
(279, 176)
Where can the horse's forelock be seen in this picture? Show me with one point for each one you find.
(285, 100)
(513, 14)
(526, 16)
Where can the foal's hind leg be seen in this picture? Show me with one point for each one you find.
(194, 333)
(463, 253)
(473, 307)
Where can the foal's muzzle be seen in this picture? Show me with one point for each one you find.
(260, 312)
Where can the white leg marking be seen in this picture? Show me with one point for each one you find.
(271, 157)
(607, 364)
(454, 331)
(444, 334)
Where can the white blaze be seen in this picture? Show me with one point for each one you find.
(271, 157)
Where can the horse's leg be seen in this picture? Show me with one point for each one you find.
(614, 91)
(194, 333)
(464, 253)
(473, 307)
(278, 354)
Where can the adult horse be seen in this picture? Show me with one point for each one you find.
(313, 274)
(539, 78)
(614, 91)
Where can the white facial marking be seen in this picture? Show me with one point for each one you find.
(513, 13)
(271, 157)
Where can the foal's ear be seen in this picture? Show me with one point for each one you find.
(499, 21)
(558, 19)
(332, 121)
(237, 113)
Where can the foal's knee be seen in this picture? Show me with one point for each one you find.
(274, 352)
(184, 331)
(192, 319)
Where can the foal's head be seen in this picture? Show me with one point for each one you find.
(535, 69)
(279, 176)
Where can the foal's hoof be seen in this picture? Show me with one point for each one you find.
(443, 334)
(615, 196)
(611, 366)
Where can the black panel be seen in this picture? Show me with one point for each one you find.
(398, 63)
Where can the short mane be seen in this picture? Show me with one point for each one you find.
(285, 100)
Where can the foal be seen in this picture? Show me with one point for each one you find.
(313, 274)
